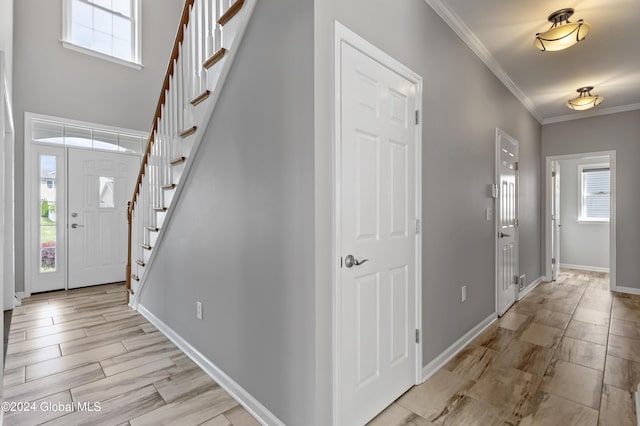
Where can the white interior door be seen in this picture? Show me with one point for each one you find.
(555, 220)
(100, 184)
(507, 219)
(378, 236)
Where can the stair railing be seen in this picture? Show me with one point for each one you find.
(197, 47)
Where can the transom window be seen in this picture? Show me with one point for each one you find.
(108, 28)
(595, 193)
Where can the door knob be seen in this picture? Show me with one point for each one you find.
(351, 261)
(75, 225)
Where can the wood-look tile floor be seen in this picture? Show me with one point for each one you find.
(69, 350)
(567, 354)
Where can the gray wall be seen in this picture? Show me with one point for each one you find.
(617, 132)
(582, 243)
(52, 80)
(6, 36)
(241, 240)
(463, 103)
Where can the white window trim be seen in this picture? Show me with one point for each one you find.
(581, 218)
(137, 37)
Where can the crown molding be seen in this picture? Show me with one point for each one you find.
(470, 39)
(591, 113)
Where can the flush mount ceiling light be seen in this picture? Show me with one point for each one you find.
(562, 34)
(585, 100)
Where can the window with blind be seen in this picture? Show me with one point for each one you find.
(595, 191)
(108, 28)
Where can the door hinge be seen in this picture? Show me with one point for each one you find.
(341, 261)
(417, 117)
(494, 190)
(516, 165)
(417, 335)
(417, 226)
(516, 280)
(553, 174)
(553, 260)
(516, 222)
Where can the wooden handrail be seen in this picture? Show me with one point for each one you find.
(184, 21)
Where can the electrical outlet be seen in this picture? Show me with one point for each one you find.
(488, 213)
(464, 293)
(199, 310)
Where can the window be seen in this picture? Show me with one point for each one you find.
(595, 193)
(52, 132)
(106, 28)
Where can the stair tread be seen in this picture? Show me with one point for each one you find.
(188, 132)
(177, 160)
(231, 12)
(201, 97)
(140, 262)
(213, 59)
(152, 228)
(145, 246)
(170, 186)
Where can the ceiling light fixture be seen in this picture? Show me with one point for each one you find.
(562, 34)
(585, 100)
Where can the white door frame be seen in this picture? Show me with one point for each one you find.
(496, 222)
(343, 34)
(612, 219)
(8, 148)
(30, 185)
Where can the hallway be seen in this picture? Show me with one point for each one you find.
(567, 354)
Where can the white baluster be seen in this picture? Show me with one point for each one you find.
(165, 140)
(187, 76)
(178, 98)
(217, 36)
(210, 10)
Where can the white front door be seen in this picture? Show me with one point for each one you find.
(377, 355)
(100, 184)
(507, 218)
(555, 220)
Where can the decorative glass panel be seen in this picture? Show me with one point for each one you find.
(105, 140)
(106, 193)
(47, 132)
(77, 136)
(130, 144)
(48, 224)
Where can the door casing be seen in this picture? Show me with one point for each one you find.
(612, 221)
(31, 187)
(343, 34)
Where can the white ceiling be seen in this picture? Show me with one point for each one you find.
(501, 32)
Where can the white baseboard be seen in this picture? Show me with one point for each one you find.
(628, 290)
(530, 287)
(252, 405)
(637, 398)
(584, 267)
(446, 356)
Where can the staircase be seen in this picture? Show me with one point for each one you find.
(208, 37)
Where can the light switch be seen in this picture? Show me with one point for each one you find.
(489, 213)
